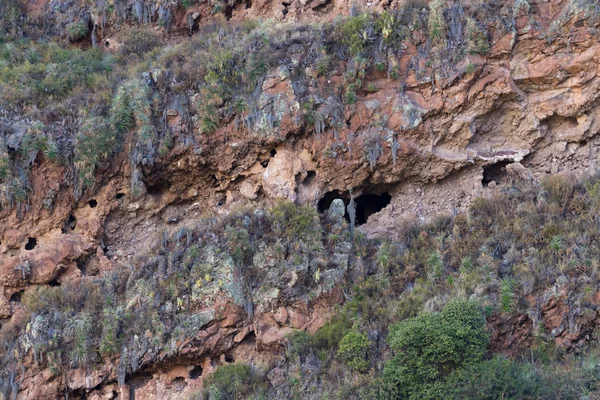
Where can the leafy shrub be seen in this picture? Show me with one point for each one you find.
(433, 345)
(356, 33)
(498, 378)
(295, 223)
(232, 382)
(77, 30)
(353, 350)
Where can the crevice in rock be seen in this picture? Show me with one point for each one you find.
(69, 224)
(31, 243)
(310, 178)
(494, 173)
(119, 196)
(213, 181)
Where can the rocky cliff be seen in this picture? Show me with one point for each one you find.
(140, 197)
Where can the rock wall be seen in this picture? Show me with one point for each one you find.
(431, 138)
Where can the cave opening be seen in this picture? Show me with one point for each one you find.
(366, 204)
(93, 203)
(370, 204)
(16, 296)
(120, 196)
(158, 188)
(196, 372)
(229, 359)
(31, 243)
(494, 172)
(54, 283)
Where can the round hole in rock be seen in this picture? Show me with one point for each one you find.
(494, 172)
(119, 196)
(31, 243)
(107, 44)
(273, 152)
(93, 203)
(196, 372)
(229, 358)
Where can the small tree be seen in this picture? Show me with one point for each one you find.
(431, 346)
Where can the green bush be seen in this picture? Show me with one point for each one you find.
(498, 378)
(77, 30)
(433, 345)
(232, 382)
(355, 33)
(353, 350)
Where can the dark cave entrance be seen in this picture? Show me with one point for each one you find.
(196, 372)
(366, 204)
(370, 204)
(494, 172)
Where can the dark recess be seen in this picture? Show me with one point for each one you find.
(366, 205)
(310, 178)
(31, 243)
(93, 203)
(120, 196)
(158, 187)
(54, 283)
(494, 172)
(16, 296)
(196, 372)
(69, 224)
(229, 358)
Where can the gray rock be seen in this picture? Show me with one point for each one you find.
(337, 210)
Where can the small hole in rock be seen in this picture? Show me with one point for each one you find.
(229, 358)
(69, 224)
(273, 152)
(119, 196)
(31, 243)
(54, 283)
(264, 163)
(196, 372)
(107, 44)
(16, 296)
(93, 203)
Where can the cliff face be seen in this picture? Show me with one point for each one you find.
(415, 128)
